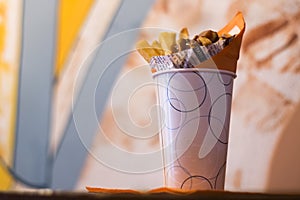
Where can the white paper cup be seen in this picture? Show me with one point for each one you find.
(194, 115)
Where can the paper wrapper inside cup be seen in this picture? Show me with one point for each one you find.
(212, 56)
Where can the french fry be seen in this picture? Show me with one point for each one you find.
(184, 41)
(157, 47)
(167, 41)
(203, 41)
(225, 36)
(147, 51)
(169, 52)
(167, 44)
(211, 35)
(184, 33)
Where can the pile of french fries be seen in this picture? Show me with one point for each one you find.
(167, 43)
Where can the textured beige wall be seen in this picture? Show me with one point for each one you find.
(264, 135)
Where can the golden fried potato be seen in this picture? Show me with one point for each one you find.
(184, 33)
(167, 41)
(203, 40)
(184, 41)
(225, 36)
(146, 50)
(157, 47)
(211, 35)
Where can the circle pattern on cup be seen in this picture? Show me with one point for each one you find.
(188, 88)
(205, 97)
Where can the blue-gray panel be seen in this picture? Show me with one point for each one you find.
(72, 152)
(35, 91)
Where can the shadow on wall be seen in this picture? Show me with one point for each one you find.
(284, 175)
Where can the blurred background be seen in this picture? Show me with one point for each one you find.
(77, 103)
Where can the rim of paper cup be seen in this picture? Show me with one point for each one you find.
(195, 69)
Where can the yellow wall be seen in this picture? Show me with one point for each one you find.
(72, 15)
(10, 13)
